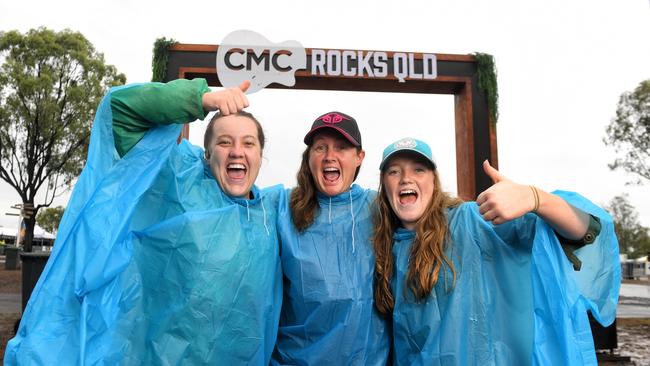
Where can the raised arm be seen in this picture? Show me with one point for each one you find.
(507, 200)
(138, 108)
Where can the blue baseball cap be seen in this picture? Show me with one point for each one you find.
(408, 144)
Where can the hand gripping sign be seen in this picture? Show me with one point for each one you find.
(247, 55)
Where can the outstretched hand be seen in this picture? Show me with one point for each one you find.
(505, 200)
(228, 101)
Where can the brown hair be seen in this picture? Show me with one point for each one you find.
(427, 255)
(209, 131)
(303, 201)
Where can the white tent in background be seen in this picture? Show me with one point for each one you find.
(6, 231)
(40, 235)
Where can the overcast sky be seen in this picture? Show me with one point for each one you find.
(562, 66)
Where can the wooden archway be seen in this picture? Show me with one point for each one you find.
(456, 74)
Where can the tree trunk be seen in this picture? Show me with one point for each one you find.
(29, 233)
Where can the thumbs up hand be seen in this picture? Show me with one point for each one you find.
(505, 200)
(228, 101)
(493, 173)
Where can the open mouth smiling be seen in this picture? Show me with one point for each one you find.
(407, 196)
(331, 174)
(236, 170)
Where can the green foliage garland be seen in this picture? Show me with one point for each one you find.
(487, 82)
(160, 57)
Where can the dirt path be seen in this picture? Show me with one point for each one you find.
(10, 287)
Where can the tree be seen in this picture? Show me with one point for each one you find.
(629, 132)
(50, 85)
(49, 218)
(633, 238)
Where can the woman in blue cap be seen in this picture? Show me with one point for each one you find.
(167, 253)
(505, 280)
(328, 316)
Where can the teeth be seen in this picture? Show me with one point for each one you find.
(407, 191)
(236, 166)
(330, 170)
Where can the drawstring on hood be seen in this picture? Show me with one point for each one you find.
(248, 215)
(268, 233)
(352, 214)
(330, 211)
(340, 201)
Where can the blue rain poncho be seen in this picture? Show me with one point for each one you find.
(517, 299)
(154, 264)
(328, 315)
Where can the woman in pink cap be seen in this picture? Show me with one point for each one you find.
(328, 315)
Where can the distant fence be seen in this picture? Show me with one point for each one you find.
(631, 270)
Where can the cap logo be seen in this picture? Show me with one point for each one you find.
(406, 143)
(332, 118)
